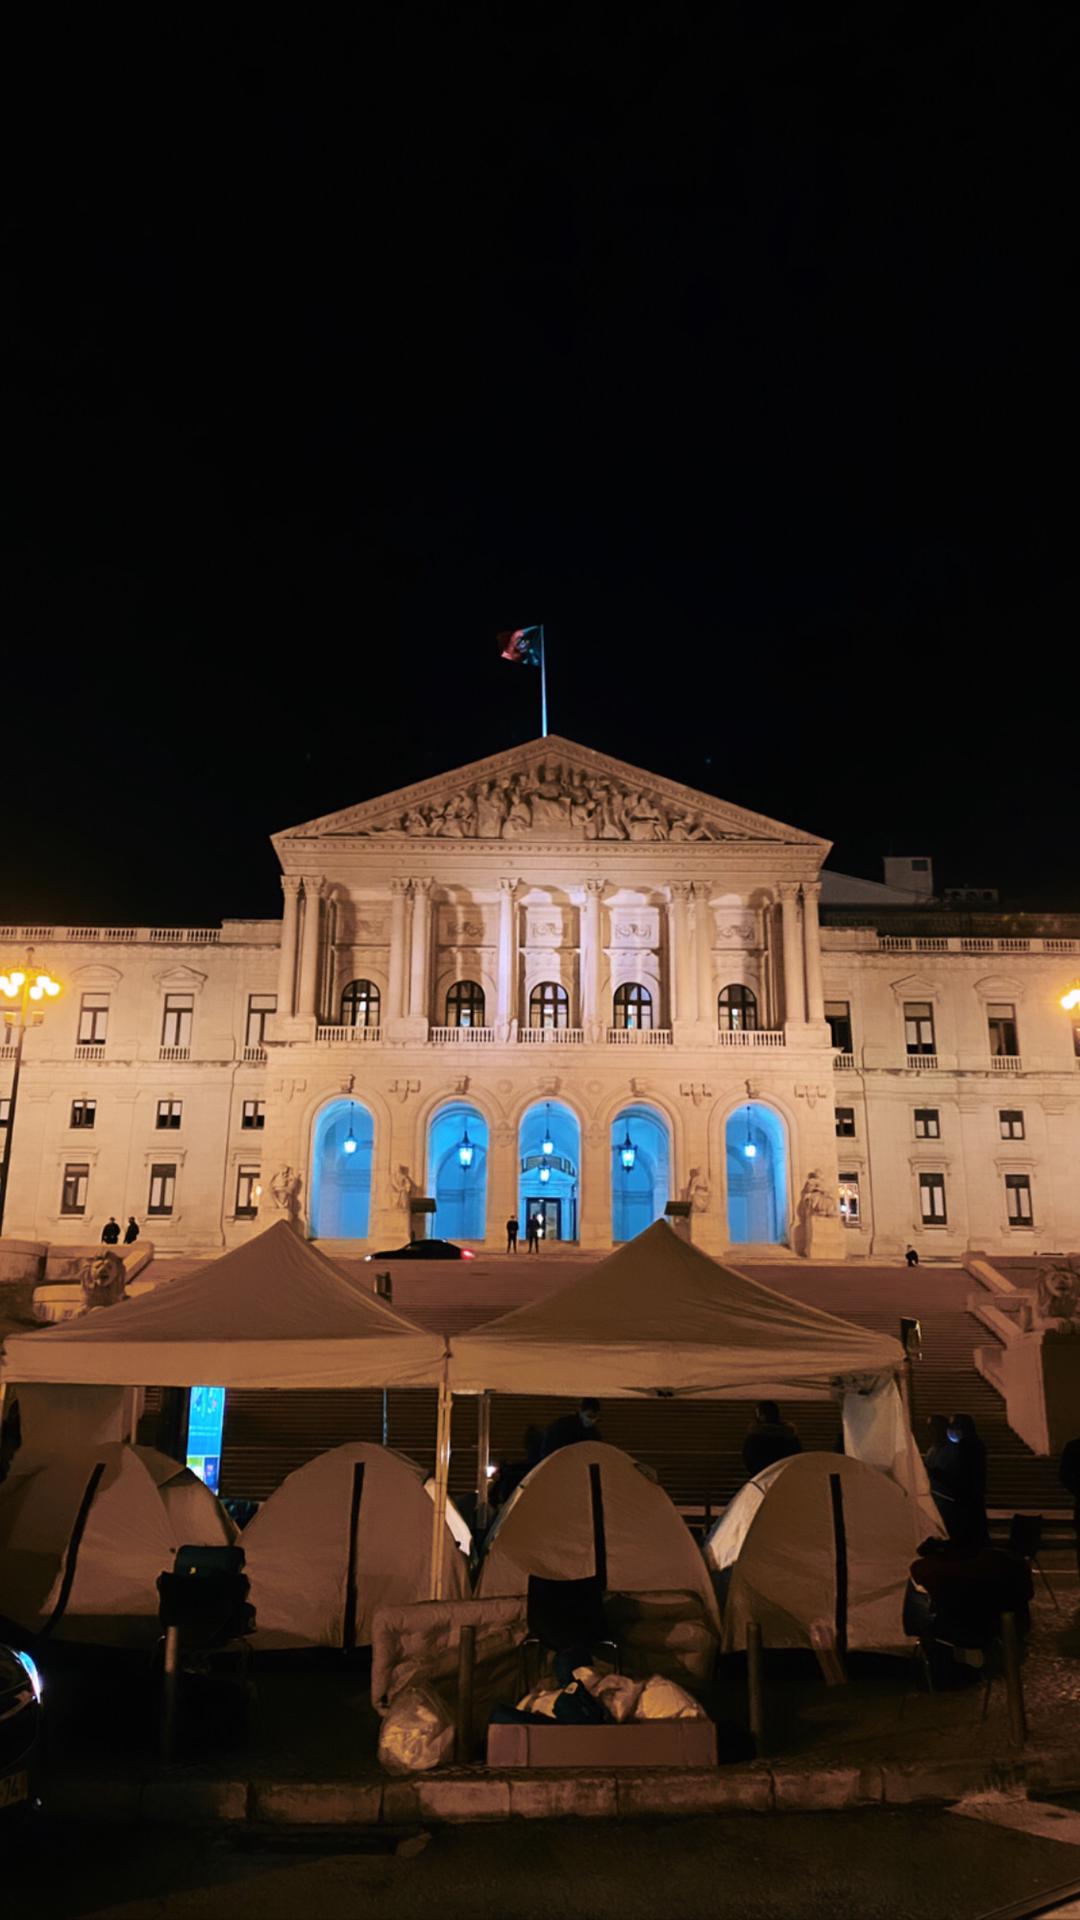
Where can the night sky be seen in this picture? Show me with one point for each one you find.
(739, 345)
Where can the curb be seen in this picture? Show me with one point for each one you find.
(474, 1794)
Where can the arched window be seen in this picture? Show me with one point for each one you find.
(549, 1005)
(465, 1004)
(360, 1004)
(736, 1010)
(633, 1006)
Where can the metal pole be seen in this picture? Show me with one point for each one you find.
(483, 1459)
(1014, 1686)
(169, 1686)
(755, 1689)
(442, 1475)
(543, 687)
(465, 1672)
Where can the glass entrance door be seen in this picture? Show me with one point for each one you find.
(550, 1212)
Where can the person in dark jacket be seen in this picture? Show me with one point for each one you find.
(938, 1461)
(512, 1233)
(572, 1427)
(110, 1232)
(964, 1478)
(769, 1439)
(911, 1257)
(1070, 1480)
(512, 1472)
(131, 1231)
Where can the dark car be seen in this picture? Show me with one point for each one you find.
(424, 1250)
(20, 1728)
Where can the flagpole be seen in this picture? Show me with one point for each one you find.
(543, 687)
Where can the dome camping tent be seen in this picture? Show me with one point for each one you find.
(85, 1534)
(358, 1507)
(819, 1537)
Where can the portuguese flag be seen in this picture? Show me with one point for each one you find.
(521, 646)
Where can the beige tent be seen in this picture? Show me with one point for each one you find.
(272, 1313)
(788, 1531)
(99, 1578)
(322, 1519)
(547, 1528)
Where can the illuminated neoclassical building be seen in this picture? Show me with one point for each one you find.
(551, 983)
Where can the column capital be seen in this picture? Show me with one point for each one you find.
(594, 886)
(314, 885)
(400, 886)
(290, 884)
(508, 884)
(423, 885)
(811, 889)
(788, 889)
(681, 890)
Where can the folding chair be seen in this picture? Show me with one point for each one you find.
(1025, 1539)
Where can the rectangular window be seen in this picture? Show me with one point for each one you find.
(254, 1114)
(5, 1112)
(93, 1019)
(927, 1123)
(919, 1026)
(83, 1113)
(1018, 1199)
(176, 1024)
(247, 1197)
(838, 1015)
(1001, 1021)
(169, 1113)
(1076, 1038)
(849, 1199)
(845, 1123)
(260, 1007)
(162, 1188)
(76, 1182)
(932, 1199)
(1011, 1122)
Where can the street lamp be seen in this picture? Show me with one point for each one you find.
(547, 1144)
(749, 1149)
(466, 1150)
(348, 1145)
(24, 984)
(628, 1152)
(1071, 1000)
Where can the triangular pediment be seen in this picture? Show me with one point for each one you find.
(550, 790)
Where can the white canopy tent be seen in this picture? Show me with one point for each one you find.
(272, 1313)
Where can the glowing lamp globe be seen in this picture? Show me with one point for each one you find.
(750, 1150)
(545, 1175)
(547, 1144)
(466, 1150)
(1071, 1000)
(628, 1152)
(349, 1145)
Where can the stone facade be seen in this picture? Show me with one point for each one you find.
(548, 870)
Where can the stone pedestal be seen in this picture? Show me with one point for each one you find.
(678, 1214)
(22, 1262)
(421, 1212)
(822, 1238)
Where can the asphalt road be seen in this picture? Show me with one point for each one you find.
(934, 1865)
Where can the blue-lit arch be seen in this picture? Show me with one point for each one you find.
(640, 1191)
(341, 1158)
(757, 1188)
(549, 1181)
(458, 1133)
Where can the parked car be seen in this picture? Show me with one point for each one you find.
(424, 1250)
(20, 1732)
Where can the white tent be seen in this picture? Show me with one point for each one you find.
(546, 1528)
(136, 1513)
(299, 1546)
(272, 1313)
(787, 1532)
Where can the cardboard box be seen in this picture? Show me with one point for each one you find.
(637, 1743)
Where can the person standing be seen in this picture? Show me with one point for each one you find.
(938, 1461)
(131, 1231)
(532, 1233)
(572, 1427)
(512, 1233)
(110, 1232)
(966, 1480)
(911, 1257)
(769, 1439)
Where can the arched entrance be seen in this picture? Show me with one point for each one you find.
(341, 1159)
(457, 1171)
(757, 1204)
(549, 1158)
(640, 1171)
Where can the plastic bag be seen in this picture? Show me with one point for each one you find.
(417, 1733)
(663, 1700)
(619, 1694)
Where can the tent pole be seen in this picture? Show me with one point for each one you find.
(903, 1381)
(483, 1459)
(442, 1476)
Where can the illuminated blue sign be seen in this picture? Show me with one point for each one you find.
(206, 1418)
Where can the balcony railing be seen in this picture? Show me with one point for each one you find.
(843, 1062)
(750, 1037)
(462, 1036)
(174, 1053)
(639, 1036)
(255, 1055)
(921, 1062)
(551, 1036)
(90, 1050)
(1006, 1063)
(350, 1036)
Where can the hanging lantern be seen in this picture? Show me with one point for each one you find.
(547, 1144)
(466, 1149)
(628, 1151)
(349, 1143)
(545, 1174)
(749, 1149)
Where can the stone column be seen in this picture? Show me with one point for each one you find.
(686, 980)
(594, 1186)
(309, 952)
(506, 1005)
(396, 996)
(420, 976)
(794, 998)
(502, 1184)
(592, 956)
(286, 988)
(671, 964)
(815, 992)
(703, 943)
